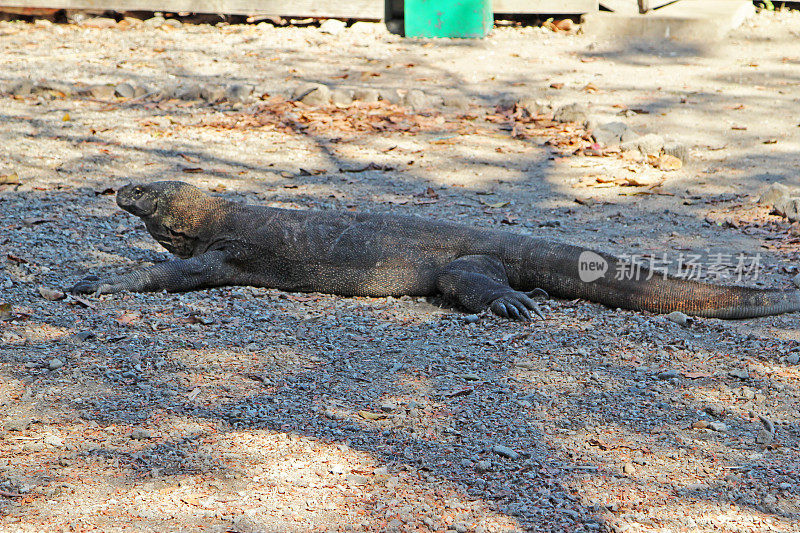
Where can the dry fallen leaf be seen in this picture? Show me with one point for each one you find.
(638, 181)
(564, 24)
(698, 374)
(371, 416)
(9, 179)
(5, 311)
(129, 317)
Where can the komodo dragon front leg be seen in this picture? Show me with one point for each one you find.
(206, 270)
(478, 282)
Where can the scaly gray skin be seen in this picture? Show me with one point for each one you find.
(360, 254)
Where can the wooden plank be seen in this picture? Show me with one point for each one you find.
(544, 6)
(362, 9)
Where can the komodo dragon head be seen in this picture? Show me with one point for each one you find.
(176, 214)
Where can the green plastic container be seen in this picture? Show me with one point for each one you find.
(470, 19)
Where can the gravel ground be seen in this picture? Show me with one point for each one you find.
(242, 409)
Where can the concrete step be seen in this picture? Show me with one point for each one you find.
(699, 21)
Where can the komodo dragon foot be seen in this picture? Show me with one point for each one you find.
(479, 282)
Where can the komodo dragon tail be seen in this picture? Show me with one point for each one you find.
(567, 271)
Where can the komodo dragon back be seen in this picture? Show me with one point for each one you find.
(226, 243)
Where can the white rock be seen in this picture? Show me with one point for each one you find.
(332, 26)
(682, 319)
(53, 440)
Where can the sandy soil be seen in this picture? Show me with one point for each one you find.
(244, 409)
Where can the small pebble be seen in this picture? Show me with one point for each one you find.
(793, 359)
(53, 440)
(668, 374)
(51, 294)
(576, 112)
(140, 434)
(682, 319)
(764, 437)
(314, 95)
(677, 149)
(100, 23)
(238, 92)
(190, 92)
(775, 193)
(629, 469)
(357, 479)
(22, 88)
(457, 101)
(55, 364)
(393, 96)
(483, 466)
(718, 426)
(471, 319)
(102, 92)
(505, 451)
(155, 22)
(212, 93)
(17, 424)
(125, 90)
(388, 406)
(367, 95)
(341, 98)
(417, 100)
(650, 144)
(740, 373)
(332, 26)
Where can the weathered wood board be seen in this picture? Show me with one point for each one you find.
(544, 6)
(361, 9)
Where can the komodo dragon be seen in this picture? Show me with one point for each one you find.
(361, 254)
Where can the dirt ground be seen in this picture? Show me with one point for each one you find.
(242, 409)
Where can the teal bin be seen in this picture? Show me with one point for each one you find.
(470, 19)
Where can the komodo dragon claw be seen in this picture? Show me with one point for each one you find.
(515, 305)
(538, 292)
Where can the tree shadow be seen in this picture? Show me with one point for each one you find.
(568, 393)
